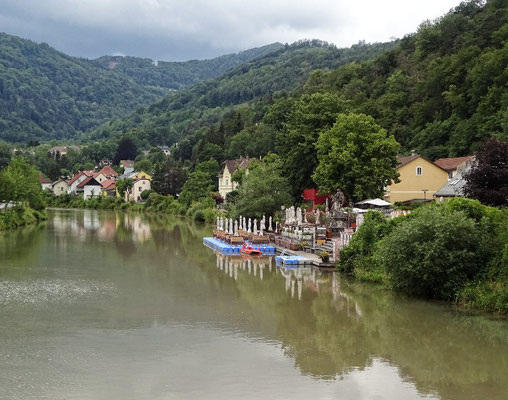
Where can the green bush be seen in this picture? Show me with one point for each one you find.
(487, 295)
(146, 193)
(433, 254)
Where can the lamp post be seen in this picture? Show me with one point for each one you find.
(425, 195)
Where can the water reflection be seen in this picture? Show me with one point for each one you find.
(136, 288)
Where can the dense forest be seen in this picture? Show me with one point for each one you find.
(45, 94)
(259, 81)
(178, 75)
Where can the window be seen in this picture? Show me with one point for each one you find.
(227, 182)
(419, 171)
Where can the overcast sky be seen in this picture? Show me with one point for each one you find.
(176, 30)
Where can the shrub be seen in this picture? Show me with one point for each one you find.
(146, 193)
(433, 254)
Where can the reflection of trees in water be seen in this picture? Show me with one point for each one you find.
(338, 326)
(20, 245)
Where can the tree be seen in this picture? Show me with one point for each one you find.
(264, 190)
(24, 182)
(487, 180)
(198, 185)
(296, 141)
(5, 155)
(126, 150)
(432, 254)
(168, 177)
(123, 186)
(356, 156)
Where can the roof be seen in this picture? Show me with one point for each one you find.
(164, 148)
(127, 163)
(88, 181)
(60, 180)
(108, 183)
(454, 187)
(43, 179)
(108, 171)
(403, 160)
(375, 202)
(239, 163)
(78, 174)
(451, 164)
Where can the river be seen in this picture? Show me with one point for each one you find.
(105, 305)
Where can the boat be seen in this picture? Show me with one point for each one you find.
(249, 250)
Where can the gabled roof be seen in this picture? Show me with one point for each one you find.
(88, 181)
(108, 183)
(454, 187)
(60, 180)
(75, 177)
(127, 163)
(403, 160)
(239, 163)
(451, 164)
(43, 179)
(108, 171)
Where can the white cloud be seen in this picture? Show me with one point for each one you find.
(211, 27)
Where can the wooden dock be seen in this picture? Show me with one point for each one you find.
(315, 260)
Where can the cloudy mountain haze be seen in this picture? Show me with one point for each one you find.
(181, 30)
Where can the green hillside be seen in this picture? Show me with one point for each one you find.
(178, 75)
(186, 111)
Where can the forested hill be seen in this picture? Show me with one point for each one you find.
(177, 75)
(266, 77)
(45, 94)
(441, 91)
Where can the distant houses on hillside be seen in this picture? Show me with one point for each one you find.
(226, 183)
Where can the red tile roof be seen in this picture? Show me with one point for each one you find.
(108, 184)
(43, 179)
(74, 178)
(127, 163)
(403, 160)
(88, 181)
(451, 164)
(108, 171)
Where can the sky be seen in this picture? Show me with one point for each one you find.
(177, 30)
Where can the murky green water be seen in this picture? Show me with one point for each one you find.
(98, 305)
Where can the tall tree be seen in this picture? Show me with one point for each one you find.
(126, 150)
(487, 180)
(356, 156)
(168, 177)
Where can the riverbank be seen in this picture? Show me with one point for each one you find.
(19, 216)
(201, 211)
(456, 251)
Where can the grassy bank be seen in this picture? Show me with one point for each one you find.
(455, 251)
(20, 216)
(200, 211)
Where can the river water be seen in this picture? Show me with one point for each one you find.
(104, 305)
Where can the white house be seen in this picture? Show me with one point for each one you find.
(91, 188)
(76, 180)
(128, 166)
(139, 185)
(226, 184)
(45, 182)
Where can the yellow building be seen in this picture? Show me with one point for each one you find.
(419, 180)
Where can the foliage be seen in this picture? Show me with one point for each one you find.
(20, 184)
(263, 190)
(199, 185)
(146, 193)
(356, 156)
(124, 185)
(126, 150)
(433, 254)
(168, 177)
(358, 255)
(20, 216)
(487, 180)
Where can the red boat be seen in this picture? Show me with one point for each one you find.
(250, 250)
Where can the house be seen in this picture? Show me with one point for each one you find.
(59, 187)
(419, 180)
(108, 188)
(226, 184)
(90, 188)
(104, 174)
(139, 185)
(454, 165)
(105, 162)
(454, 187)
(45, 182)
(62, 150)
(128, 166)
(165, 149)
(76, 180)
(136, 176)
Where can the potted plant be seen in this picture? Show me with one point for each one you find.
(325, 256)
